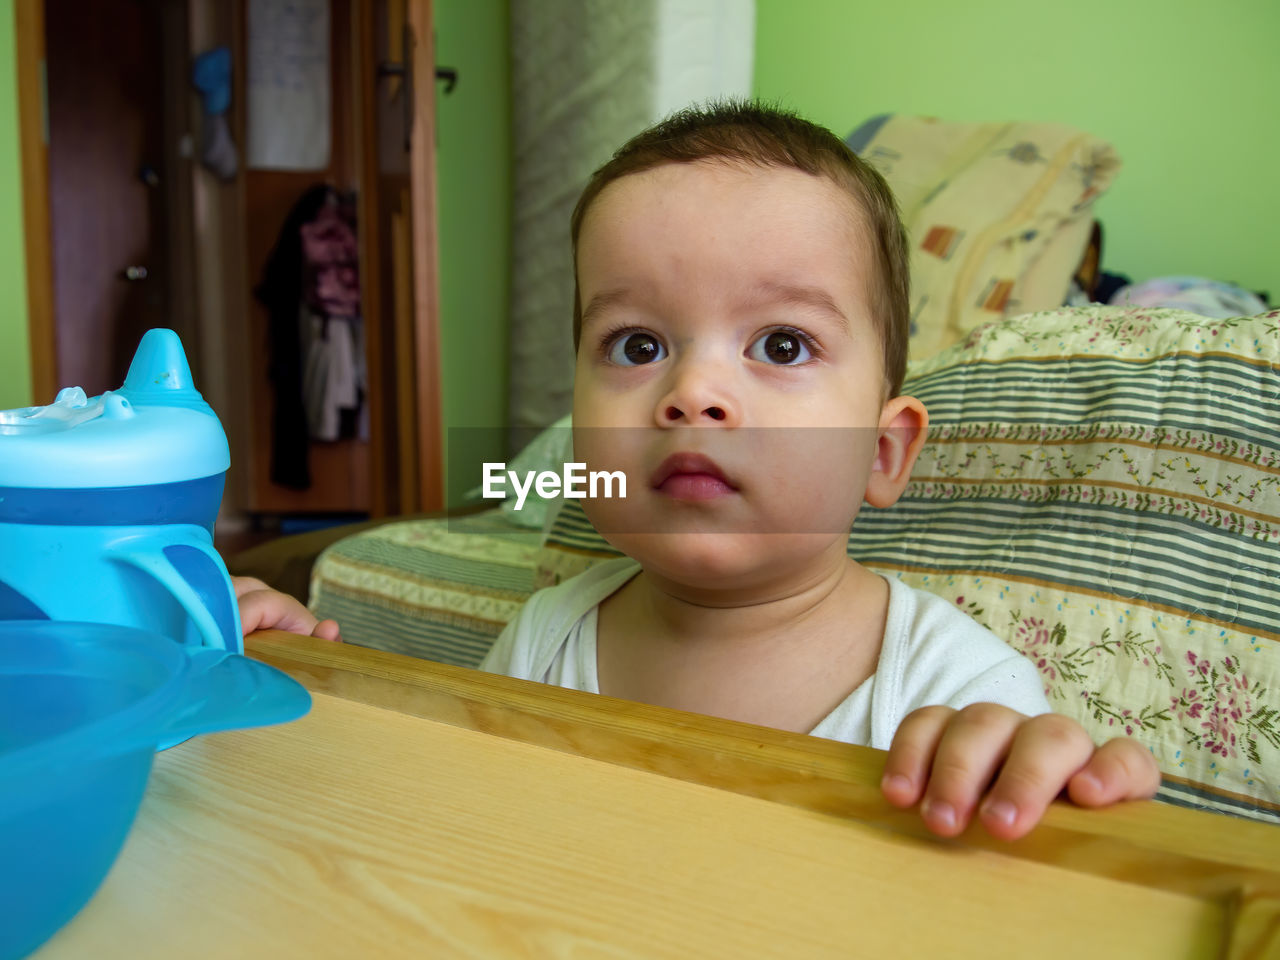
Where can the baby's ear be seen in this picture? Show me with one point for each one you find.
(904, 423)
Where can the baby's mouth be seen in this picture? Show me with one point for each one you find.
(691, 476)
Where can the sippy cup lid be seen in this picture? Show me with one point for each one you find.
(155, 429)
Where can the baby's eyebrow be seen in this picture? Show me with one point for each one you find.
(769, 293)
(603, 301)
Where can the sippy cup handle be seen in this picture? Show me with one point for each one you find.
(162, 555)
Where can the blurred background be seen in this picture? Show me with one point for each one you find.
(357, 217)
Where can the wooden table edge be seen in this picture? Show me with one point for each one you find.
(1235, 864)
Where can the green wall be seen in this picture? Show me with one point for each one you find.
(473, 167)
(15, 358)
(1185, 90)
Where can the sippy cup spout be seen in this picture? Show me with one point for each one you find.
(160, 375)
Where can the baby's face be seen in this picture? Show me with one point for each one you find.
(728, 365)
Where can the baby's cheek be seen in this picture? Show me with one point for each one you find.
(608, 516)
(603, 450)
(818, 474)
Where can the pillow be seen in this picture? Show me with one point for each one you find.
(548, 451)
(1101, 488)
(998, 215)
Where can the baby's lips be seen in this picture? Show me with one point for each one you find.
(692, 464)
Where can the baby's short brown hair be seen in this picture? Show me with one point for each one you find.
(753, 133)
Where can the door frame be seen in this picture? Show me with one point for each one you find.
(407, 469)
(33, 136)
(425, 265)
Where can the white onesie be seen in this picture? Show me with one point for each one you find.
(932, 654)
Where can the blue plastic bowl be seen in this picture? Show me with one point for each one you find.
(83, 707)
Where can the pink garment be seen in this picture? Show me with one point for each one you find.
(330, 327)
(331, 278)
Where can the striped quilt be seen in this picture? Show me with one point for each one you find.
(437, 589)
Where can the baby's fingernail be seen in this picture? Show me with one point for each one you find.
(895, 783)
(939, 813)
(1089, 781)
(1000, 811)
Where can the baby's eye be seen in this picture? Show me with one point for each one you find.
(782, 347)
(634, 349)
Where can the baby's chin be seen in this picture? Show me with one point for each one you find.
(733, 567)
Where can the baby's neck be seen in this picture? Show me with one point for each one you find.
(783, 658)
(769, 612)
(804, 599)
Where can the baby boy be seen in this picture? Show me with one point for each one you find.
(740, 323)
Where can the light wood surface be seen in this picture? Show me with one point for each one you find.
(427, 811)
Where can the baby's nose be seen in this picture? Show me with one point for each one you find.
(674, 413)
(697, 396)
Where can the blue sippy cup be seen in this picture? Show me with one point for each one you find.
(107, 506)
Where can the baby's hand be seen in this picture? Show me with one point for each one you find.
(950, 758)
(262, 608)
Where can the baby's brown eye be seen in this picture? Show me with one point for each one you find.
(780, 347)
(636, 349)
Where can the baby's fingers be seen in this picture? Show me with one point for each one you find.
(327, 630)
(947, 757)
(243, 585)
(262, 608)
(970, 752)
(1046, 753)
(906, 770)
(269, 610)
(1120, 769)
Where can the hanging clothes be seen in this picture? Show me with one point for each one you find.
(310, 288)
(333, 383)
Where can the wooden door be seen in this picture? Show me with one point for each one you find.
(106, 184)
(398, 253)
(101, 90)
